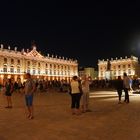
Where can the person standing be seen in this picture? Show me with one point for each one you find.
(126, 84)
(85, 97)
(75, 95)
(8, 92)
(119, 87)
(29, 90)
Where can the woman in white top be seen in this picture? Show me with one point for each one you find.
(75, 95)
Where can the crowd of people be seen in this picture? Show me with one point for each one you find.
(78, 88)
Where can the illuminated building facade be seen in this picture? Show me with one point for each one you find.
(89, 72)
(118, 67)
(14, 64)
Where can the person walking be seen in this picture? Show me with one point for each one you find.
(119, 87)
(29, 90)
(126, 84)
(75, 95)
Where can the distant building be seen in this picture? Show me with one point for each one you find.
(14, 64)
(89, 71)
(117, 67)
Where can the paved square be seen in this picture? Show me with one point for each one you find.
(53, 120)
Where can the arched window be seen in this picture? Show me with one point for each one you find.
(5, 60)
(38, 64)
(46, 65)
(12, 61)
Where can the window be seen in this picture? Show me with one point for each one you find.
(5, 69)
(38, 64)
(38, 71)
(46, 71)
(18, 62)
(33, 71)
(46, 65)
(12, 69)
(12, 61)
(18, 70)
(50, 72)
(129, 65)
(5, 60)
(54, 72)
(28, 70)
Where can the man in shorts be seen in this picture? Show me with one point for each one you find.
(29, 91)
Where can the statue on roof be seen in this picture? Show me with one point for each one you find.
(33, 44)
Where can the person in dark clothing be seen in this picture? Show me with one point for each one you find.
(119, 87)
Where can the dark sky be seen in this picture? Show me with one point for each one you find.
(83, 30)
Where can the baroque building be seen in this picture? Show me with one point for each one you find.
(14, 64)
(111, 69)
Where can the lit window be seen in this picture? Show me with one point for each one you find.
(46, 71)
(50, 72)
(33, 71)
(18, 70)
(12, 69)
(38, 71)
(54, 72)
(28, 70)
(5, 69)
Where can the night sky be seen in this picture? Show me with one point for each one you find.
(83, 30)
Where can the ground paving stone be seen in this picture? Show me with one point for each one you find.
(54, 121)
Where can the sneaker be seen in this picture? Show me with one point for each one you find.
(31, 117)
